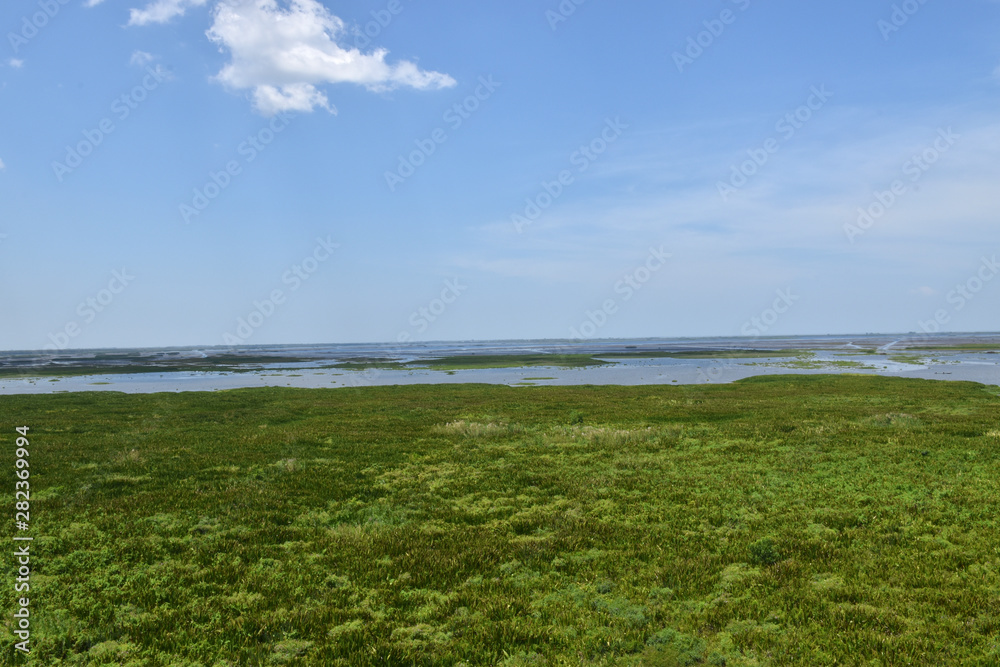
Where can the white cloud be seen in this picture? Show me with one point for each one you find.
(92, 3)
(140, 58)
(161, 11)
(283, 54)
(2, 165)
(15, 62)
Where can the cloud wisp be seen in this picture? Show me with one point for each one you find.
(162, 11)
(141, 58)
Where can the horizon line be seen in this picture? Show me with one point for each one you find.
(570, 341)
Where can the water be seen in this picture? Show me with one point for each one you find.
(307, 365)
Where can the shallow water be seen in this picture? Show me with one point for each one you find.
(973, 366)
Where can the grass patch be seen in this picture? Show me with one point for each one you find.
(114, 364)
(907, 359)
(365, 365)
(967, 347)
(473, 362)
(807, 361)
(779, 520)
(508, 361)
(703, 354)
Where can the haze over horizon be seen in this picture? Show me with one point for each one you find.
(748, 342)
(259, 172)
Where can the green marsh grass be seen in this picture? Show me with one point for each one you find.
(468, 362)
(783, 520)
(703, 354)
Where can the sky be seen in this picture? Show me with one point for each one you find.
(249, 172)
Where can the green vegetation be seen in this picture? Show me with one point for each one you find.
(472, 362)
(569, 360)
(703, 354)
(369, 363)
(915, 359)
(967, 347)
(781, 520)
(458, 363)
(807, 360)
(71, 371)
(819, 363)
(76, 366)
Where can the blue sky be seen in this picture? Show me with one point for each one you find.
(268, 172)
